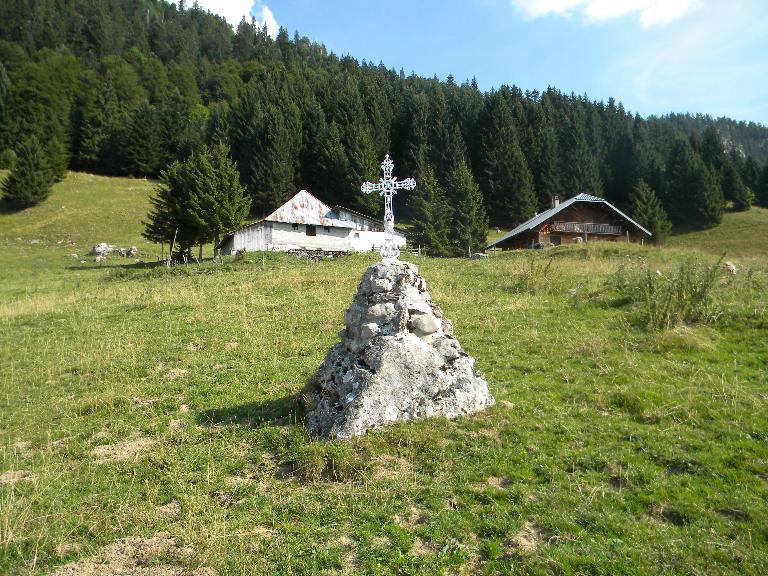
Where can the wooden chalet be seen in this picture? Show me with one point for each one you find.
(583, 218)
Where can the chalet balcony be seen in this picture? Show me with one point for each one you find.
(586, 227)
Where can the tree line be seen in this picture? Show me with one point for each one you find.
(132, 87)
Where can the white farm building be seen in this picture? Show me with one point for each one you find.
(306, 223)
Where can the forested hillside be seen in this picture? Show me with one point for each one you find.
(127, 86)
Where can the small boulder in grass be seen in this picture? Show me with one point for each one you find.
(730, 267)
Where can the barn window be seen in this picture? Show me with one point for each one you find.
(357, 234)
(295, 226)
(555, 240)
(327, 228)
(311, 230)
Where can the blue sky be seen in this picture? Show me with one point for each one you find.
(655, 56)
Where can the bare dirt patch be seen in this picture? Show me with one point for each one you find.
(176, 373)
(136, 556)
(412, 517)
(381, 542)
(127, 450)
(229, 346)
(422, 548)
(527, 540)
(170, 510)
(145, 402)
(23, 447)
(499, 482)
(13, 476)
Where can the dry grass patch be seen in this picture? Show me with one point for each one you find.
(391, 467)
(135, 556)
(127, 450)
(12, 477)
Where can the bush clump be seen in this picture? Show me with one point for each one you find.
(664, 300)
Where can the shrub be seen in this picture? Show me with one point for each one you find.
(29, 183)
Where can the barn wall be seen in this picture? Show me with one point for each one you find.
(284, 237)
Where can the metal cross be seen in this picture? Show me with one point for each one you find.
(387, 187)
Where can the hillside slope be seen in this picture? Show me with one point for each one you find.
(164, 407)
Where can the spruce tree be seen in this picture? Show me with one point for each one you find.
(218, 203)
(508, 184)
(693, 193)
(58, 160)
(712, 149)
(542, 158)
(578, 168)
(141, 145)
(750, 173)
(648, 211)
(29, 183)
(735, 190)
(169, 218)
(761, 190)
(469, 230)
(430, 214)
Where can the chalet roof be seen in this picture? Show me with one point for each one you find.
(547, 214)
(304, 208)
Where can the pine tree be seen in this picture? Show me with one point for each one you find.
(29, 183)
(469, 229)
(735, 190)
(648, 211)
(430, 214)
(218, 203)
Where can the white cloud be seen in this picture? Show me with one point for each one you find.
(650, 11)
(234, 10)
(264, 15)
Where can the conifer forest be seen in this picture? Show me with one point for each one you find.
(127, 87)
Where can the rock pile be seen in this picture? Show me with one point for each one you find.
(102, 249)
(397, 361)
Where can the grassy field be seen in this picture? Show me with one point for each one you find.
(151, 421)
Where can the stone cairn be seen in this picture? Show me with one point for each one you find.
(397, 361)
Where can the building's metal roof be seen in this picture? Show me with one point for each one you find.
(547, 214)
(304, 208)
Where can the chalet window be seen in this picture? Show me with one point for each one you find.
(327, 228)
(295, 226)
(311, 230)
(357, 234)
(555, 240)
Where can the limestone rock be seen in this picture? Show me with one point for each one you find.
(397, 361)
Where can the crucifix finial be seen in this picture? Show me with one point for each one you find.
(387, 187)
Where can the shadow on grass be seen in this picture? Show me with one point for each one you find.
(126, 266)
(280, 412)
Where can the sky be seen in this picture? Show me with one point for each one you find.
(654, 56)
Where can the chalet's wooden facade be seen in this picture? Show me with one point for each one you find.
(583, 218)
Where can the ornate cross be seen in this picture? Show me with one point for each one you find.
(388, 187)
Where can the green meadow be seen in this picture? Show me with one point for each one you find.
(143, 405)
